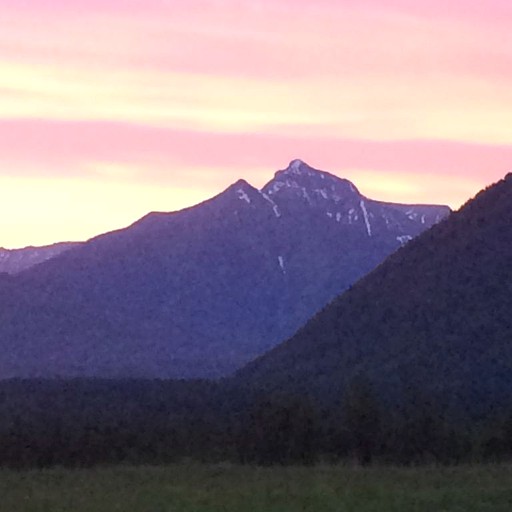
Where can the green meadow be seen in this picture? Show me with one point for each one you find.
(216, 488)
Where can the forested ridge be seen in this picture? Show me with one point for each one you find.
(91, 422)
(435, 315)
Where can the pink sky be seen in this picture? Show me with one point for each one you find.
(112, 108)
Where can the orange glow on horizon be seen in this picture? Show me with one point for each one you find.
(74, 210)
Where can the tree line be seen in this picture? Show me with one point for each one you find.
(85, 423)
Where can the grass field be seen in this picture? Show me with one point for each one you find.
(202, 488)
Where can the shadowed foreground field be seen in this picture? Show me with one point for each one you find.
(197, 488)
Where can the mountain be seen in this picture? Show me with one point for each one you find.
(435, 316)
(202, 291)
(13, 261)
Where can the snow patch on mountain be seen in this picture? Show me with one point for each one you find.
(295, 166)
(366, 217)
(280, 259)
(404, 239)
(322, 192)
(243, 196)
(275, 208)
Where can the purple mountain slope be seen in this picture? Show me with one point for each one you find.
(13, 261)
(202, 291)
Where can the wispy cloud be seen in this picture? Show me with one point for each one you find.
(165, 155)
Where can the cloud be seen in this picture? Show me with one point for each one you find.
(148, 152)
(349, 70)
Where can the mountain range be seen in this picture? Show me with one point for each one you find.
(13, 261)
(200, 292)
(435, 316)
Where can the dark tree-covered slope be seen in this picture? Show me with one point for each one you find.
(200, 292)
(436, 316)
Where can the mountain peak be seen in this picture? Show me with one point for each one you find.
(240, 186)
(298, 166)
(241, 183)
(242, 191)
(300, 179)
